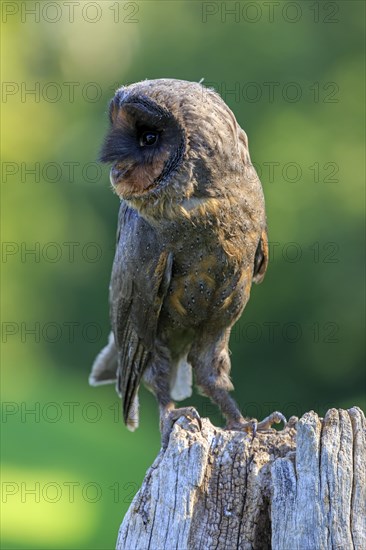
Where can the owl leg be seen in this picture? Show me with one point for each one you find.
(211, 364)
(157, 378)
(212, 379)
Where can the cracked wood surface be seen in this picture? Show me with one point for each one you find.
(303, 488)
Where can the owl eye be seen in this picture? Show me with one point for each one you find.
(148, 138)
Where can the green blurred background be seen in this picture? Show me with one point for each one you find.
(293, 75)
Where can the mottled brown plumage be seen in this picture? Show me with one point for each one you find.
(191, 240)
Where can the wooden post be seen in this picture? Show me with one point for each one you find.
(303, 488)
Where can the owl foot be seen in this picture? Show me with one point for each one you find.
(253, 426)
(274, 418)
(170, 416)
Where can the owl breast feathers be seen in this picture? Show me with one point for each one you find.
(191, 239)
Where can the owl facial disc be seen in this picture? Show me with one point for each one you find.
(145, 144)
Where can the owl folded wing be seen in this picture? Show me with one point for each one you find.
(261, 258)
(140, 279)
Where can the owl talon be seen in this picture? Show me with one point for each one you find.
(253, 426)
(274, 418)
(169, 417)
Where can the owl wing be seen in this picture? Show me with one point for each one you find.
(261, 258)
(140, 279)
(254, 194)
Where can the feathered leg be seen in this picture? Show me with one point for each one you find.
(211, 362)
(157, 379)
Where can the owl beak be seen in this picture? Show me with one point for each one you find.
(116, 174)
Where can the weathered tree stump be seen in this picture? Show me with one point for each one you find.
(303, 488)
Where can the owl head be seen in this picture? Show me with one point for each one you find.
(171, 139)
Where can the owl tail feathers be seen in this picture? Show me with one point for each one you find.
(132, 422)
(104, 369)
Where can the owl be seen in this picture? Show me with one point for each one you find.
(191, 240)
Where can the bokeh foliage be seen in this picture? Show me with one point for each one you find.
(299, 343)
